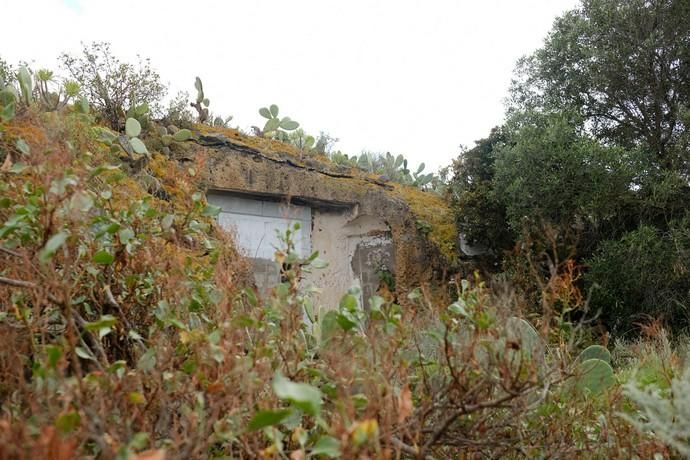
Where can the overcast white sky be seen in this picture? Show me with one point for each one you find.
(405, 76)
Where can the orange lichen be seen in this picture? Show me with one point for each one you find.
(432, 208)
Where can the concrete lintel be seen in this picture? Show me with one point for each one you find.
(296, 200)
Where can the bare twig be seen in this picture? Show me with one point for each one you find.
(10, 251)
(17, 283)
(408, 449)
(464, 410)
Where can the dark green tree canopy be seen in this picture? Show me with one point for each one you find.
(625, 66)
(482, 221)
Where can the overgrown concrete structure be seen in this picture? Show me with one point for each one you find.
(365, 228)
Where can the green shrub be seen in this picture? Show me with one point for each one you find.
(113, 87)
(551, 174)
(644, 275)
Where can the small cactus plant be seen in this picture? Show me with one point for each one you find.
(593, 376)
(133, 129)
(8, 104)
(25, 85)
(275, 126)
(139, 113)
(202, 102)
(525, 343)
(595, 352)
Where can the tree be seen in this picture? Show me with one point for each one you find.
(625, 66)
(480, 217)
(114, 87)
(552, 174)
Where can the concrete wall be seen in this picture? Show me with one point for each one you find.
(257, 224)
(356, 247)
(348, 211)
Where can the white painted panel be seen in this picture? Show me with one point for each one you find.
(255, 223)
(235, 204)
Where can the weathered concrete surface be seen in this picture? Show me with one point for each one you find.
(350, 212)
(356, 248)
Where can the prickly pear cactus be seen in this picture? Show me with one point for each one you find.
(8, 103)
(133, 129)
(526, 346)
(595, 352)
(275, 126)
(593, 376)
(523, 334)
(25, 85)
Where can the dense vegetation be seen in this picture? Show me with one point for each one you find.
(129, 327)
(592, 163)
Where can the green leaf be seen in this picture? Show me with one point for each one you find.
(266, 418)
(8, 112)
(22, 146)
(132, 127)
(327, 445)
(18, 168)
(329, 325)
(318, 263)
(264, 112)
(345, 322)
(84, 353)
(182, 135)
(138, 146)
(8, 96)
(126, 234)
(148, 360)
(103, 257)
(103, 322)
(211, 211)
(375, 303)
(349, 302)
(68, 422)
(139, 441)
(112, 228)
(52, 245)
(303, 396)
(54, 354)
(458, 308)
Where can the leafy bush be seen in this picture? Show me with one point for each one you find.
(643, 275)
(550, 174)
(480, 215)
(178, 113)
(114, 87)
(6, 73)
(132, 309)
